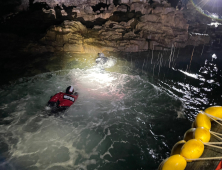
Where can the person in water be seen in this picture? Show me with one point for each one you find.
(179, 5)
(61, 101)
(101, 59)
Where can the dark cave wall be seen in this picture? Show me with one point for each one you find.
(8, 6)
(173, 2)
(126, 27)
(11, 6)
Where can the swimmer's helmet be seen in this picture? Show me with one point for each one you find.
(70, 90)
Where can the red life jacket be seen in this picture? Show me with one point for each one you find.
(63, 99)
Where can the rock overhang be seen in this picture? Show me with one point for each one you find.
(144, 26)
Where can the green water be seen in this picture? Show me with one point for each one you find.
(127, 116)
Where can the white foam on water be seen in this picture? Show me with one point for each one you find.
(86, 135)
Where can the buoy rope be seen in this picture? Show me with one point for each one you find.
(212, 117)
(217, 121)
(201, 159)
(213, 146)
(215, 135)
(214, 143)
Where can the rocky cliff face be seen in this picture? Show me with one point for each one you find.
(124, 25)
(159, 27)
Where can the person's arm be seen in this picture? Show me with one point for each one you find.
(51, 104)
(53, 100)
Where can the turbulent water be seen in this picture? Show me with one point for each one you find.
(128, 115)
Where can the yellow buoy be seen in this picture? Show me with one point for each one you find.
(214, 111)
(202, 134)
(203, 120)
(177, 147)
(192, 149)
(175, 162)
(189, 134)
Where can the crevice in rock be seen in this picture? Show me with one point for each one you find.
(91, 24)
(124, 16)
(38, 6)
(98, 7)
(116, 2)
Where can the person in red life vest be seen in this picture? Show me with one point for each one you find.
(61, 101)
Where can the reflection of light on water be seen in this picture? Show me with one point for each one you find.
(196, 76)
(97, 83)
(214, 56)
(196, 33)
(101, 77)
(93, 77)
(215, 24)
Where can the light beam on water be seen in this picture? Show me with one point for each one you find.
(114, 122)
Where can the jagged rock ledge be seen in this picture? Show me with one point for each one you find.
(163, 28)
(158, 27)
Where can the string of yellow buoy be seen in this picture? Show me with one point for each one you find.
(192, 147)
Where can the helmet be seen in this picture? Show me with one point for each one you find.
(70, 90)
(101, 55)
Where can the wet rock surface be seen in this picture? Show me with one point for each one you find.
(98, 26)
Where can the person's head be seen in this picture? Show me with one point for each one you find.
(70, 90)
(101, 55)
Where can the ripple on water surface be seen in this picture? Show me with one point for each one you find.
(119, 121)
